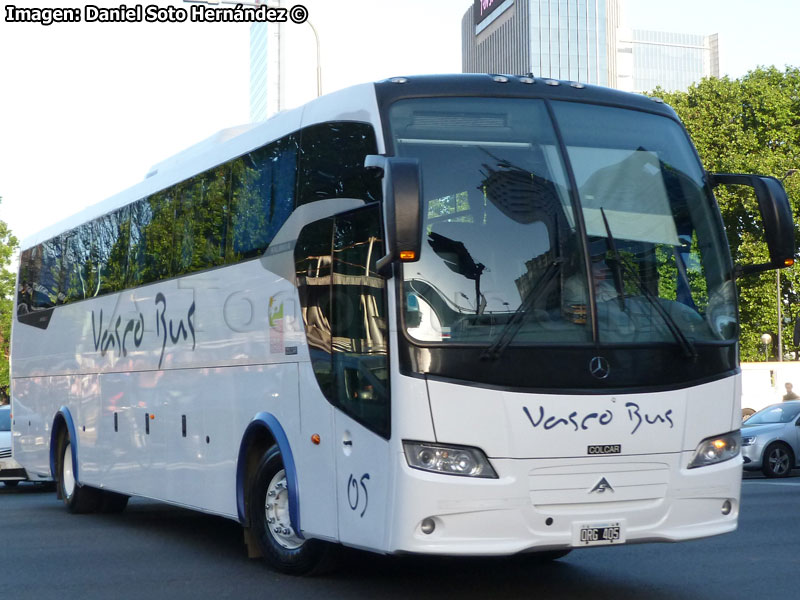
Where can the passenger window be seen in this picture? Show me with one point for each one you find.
(263, 196)
(78, 252)
(48, 277)
(152, 221)
(110, 252)
(331, 162)
(201, 221)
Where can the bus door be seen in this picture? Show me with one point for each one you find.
(360, 382)
(343, 302)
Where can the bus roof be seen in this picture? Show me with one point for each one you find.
(226, 145)
(363, 103)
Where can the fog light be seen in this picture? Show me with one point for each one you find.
(727, 507)
(427, 526)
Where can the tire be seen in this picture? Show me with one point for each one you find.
(282, 550)
(778, 460)
(11, 484)
(77, 498)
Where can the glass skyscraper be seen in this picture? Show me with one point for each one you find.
(562, 39)
(671, 60)
(581, 40)
(258, 71)
(569, 38)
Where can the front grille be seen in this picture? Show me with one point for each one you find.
(598, 484)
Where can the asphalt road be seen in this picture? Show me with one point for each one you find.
(155, 552)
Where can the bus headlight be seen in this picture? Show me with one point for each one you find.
(450, 460)
(716, 449)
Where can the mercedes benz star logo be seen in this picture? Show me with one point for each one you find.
(602, 487)
(599, 367)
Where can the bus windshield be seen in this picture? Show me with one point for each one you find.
(629, 252)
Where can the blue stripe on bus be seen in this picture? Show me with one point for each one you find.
(64, 413)
(268, 421)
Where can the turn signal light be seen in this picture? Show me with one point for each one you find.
(788, 262)
(408, 255)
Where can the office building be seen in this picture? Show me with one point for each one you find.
(581, 40)
(672, 61)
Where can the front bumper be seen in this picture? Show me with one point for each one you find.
(753, 456)
(541, 504)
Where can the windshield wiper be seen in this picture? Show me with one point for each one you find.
(612, 244)
(493, 351)
(689, 351)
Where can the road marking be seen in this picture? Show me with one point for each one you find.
(780, 483)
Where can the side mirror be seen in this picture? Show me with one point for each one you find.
(776, 214)
(402, 207)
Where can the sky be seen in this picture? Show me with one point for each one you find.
(87, 108)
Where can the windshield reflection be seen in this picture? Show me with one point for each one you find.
(498, 215)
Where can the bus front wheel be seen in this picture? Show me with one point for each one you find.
(283, 549)
(77, 498)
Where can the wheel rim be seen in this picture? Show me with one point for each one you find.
(779, 461)
(276, 510)
(67, 475)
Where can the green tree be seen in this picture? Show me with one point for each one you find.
(8, 244)
(750, 125)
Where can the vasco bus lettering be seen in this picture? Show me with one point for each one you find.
(603, 418)
(105, 339)
(491, 322)
(635, 416)
(175, 332)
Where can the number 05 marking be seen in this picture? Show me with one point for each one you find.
(354, 493)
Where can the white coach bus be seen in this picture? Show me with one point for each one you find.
(463, 315)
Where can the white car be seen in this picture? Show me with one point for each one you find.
(11, 472)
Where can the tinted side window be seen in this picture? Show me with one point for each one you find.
(201, 221)
(78, 252)
(263, 196)
(331, 162)
(109, 252)
(25, 284)
(152, 221)
(48, 281)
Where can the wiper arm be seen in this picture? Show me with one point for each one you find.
(689, 351)
(618, 284)
(493, 351)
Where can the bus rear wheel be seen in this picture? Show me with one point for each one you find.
(77, 498)
(282, 548)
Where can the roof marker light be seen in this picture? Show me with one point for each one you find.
(527, 80)
(659, 100)
(577, 85)
(399, 80)
(551, 82)
(500, 79)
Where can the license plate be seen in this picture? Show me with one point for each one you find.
(598, 534)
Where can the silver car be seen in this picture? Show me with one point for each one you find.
(771, 439)
(11, 472)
